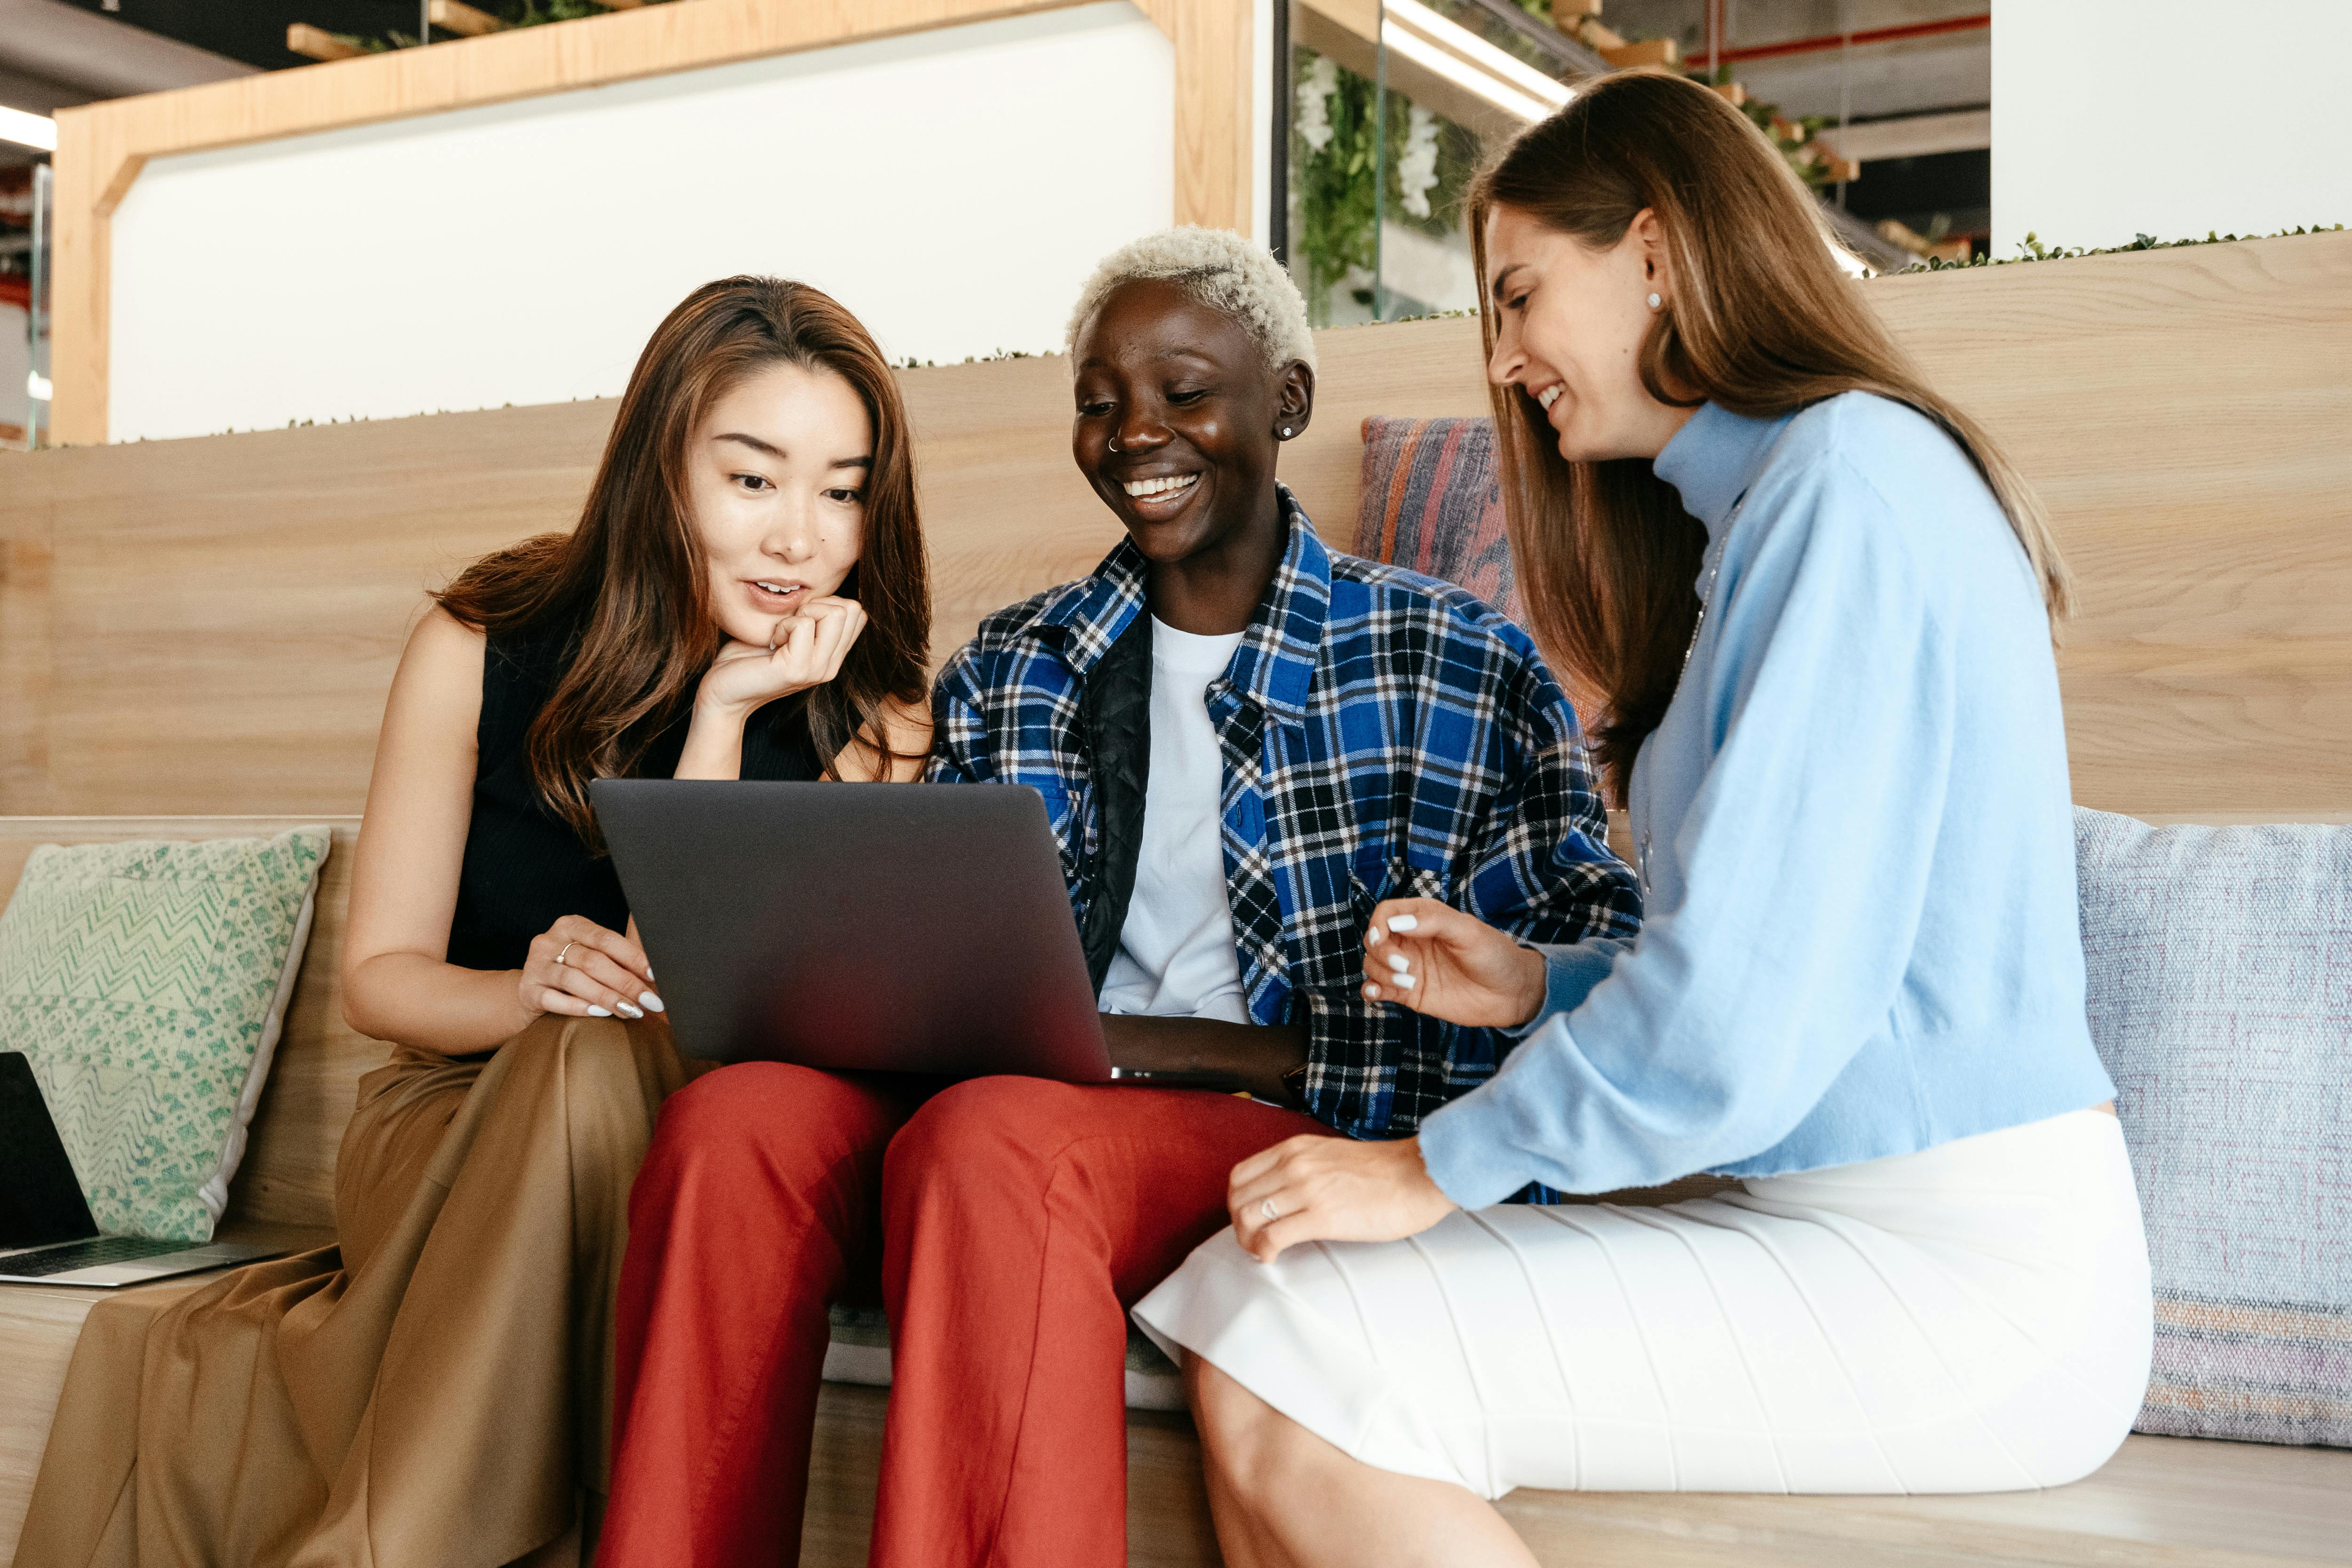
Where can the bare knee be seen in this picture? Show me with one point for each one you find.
(1253, 1450)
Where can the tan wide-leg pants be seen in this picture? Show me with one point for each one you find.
(432, 1392)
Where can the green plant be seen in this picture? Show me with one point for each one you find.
(513, 13)
(2034, 250)
(530, 13)
(1335, 160)
(1361, 158)
(1792, 138)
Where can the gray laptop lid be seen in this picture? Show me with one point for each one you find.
(905, 928)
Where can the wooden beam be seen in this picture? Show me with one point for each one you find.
(1587, 28)
(1215, 158)
(318, 43)
(1655, 52)
(456, 16)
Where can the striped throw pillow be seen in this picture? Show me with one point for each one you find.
(1431, 504)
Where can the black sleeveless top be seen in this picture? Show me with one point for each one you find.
(525, 868)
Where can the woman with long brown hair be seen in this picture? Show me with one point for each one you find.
(745, 596)
(1815, 607)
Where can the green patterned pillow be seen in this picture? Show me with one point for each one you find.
(147, 982)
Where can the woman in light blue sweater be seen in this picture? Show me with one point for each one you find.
(1816, 606)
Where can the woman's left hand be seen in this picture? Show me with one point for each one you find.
(1315, 1187)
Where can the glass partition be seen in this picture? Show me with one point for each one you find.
(1392, 107)
(37, 313)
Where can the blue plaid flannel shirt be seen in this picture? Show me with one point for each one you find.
(1385, 735)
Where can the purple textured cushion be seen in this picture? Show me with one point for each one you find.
(2220, 998)
(1431, 504)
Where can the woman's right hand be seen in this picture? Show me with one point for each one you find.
(808, 650)
(578, 968)
(1433, 959)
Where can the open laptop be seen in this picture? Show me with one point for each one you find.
(896, 928)
(46, 1234)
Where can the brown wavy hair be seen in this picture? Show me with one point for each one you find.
(632, 577)
(1762, 322)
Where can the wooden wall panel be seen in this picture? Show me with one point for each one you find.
(208, 626)
(2186, 416)
(26, 634)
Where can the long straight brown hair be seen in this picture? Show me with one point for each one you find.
(1762, 322)
(631, 576)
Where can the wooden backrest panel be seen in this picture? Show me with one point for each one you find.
(209, 626)
(2189, 427)
(288, 1176)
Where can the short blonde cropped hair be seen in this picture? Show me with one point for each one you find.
(1222, 270)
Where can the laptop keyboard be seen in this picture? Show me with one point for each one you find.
(86, 1255)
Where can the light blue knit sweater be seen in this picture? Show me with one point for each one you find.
(1860, 936)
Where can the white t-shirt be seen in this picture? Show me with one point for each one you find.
(1176, 957)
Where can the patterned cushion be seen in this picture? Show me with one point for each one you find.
(1431, 504)
(146, 983)
(2220, 998)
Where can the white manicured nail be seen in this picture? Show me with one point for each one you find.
(1400, 963)
(598, 1013)
(1404, 923)
(1404, 981)
(653, 1003)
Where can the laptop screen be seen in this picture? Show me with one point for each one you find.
(40, 1200)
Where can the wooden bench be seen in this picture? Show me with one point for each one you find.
(2182, 412)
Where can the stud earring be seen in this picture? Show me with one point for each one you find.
(1655, 301)
(1286, 432)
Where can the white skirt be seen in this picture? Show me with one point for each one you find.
(1975, 1317)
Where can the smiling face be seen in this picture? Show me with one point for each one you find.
(776, 476)
(1178, 421)
(1570, 323)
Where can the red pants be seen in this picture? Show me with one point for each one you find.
(1017, 1220)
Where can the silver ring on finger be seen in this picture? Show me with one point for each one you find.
(1265, 1207)
(567, 948)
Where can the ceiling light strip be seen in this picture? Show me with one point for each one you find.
(1452, 36)
(36, 131)
(1460, 72)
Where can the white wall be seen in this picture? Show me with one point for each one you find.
(952, 187)
(2114, 118)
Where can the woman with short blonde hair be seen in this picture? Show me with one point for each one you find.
(1815, 604)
